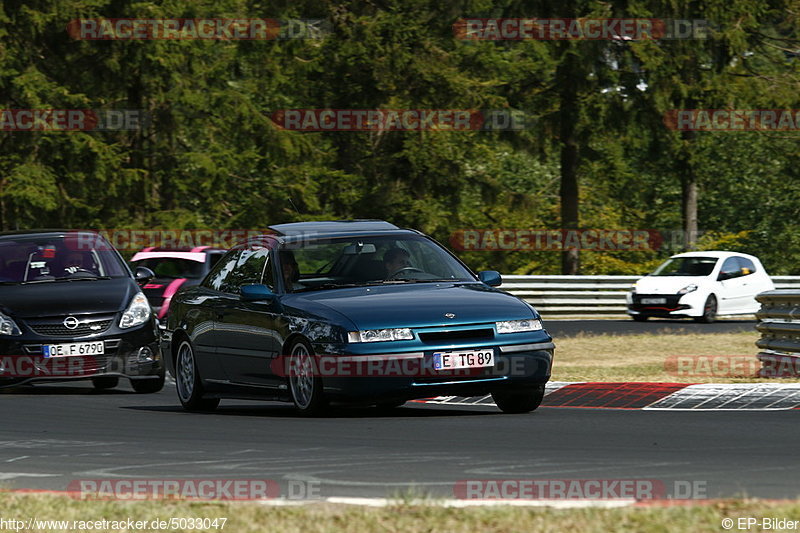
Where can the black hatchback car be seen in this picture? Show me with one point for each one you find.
(71, 309)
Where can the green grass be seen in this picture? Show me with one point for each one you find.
(654, 357)
(318, 517)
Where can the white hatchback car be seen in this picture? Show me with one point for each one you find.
(700, 285)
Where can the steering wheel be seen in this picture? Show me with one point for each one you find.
(404, 269)
(78, 270)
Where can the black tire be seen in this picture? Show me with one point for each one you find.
(105, 382)
(188, 383)
(640, 318)
(515, 402)
(305, 387)
(709, 311)
(148, 386)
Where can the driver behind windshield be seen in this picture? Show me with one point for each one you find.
(395, 260)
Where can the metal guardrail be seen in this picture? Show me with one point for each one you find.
(779, 325)
(588, 295)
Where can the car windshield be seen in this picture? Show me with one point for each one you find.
(686, 266)
(171, 267)
(368, 260)
(36, 258)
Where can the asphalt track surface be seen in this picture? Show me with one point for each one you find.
(53, 434)
(627, 326)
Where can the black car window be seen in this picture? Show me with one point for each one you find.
(747, 265)
(217, 279)
(686, 266)
(171, 267)
(213, 259)
(268, 276)
(26, 258)
(370, 259)
(249, 267)
(730, 268)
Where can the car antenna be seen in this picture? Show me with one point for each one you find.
(291, 202)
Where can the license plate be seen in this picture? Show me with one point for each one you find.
(465, 359)
(654, 301)
(73, 349)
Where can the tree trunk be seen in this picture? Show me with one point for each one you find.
(688, 193)
(567, 74)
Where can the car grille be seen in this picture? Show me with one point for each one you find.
(56, 327)
(457, 335)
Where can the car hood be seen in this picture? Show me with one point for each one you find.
(419, 305)
(67, 297)
(668, 284)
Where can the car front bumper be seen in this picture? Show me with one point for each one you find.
(133, 354)
(674, 305)
(407, 376)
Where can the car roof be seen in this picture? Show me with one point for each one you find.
(719, 254)
(44, 233)
(336, 228)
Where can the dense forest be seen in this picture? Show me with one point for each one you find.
(596, 150)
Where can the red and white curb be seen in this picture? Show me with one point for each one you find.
(657, 396)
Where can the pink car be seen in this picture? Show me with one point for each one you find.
(174, 268)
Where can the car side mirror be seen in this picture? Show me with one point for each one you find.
(256, 292)
(143, 275)
(490, 277)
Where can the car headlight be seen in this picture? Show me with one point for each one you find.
(687, 289)
(8, 326)
(378, 335)
(517, 326)
(138, 312)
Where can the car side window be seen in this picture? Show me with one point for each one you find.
(730, 268)
(267, 276)
(747, 266)
(218, 278)
(213, 259)
(249, 268)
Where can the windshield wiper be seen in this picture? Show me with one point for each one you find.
(87, 278)
(330, 286)
(401, 281)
